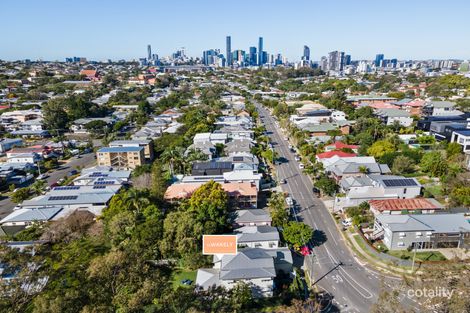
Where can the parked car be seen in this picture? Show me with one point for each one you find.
(284, 181)
(289, 201)
(301, 166)
(42, 176)
(346, 222)
(187, 282)
(297, 158)
(72, 172)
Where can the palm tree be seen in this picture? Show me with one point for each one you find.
(174, 157)
(136, 200)
(192, 156)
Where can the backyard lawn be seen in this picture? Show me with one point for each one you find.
(179, 274)
(420, 256)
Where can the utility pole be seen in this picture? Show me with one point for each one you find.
(414, 257)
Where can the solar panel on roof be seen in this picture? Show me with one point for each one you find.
(58, 198)
(104, 182)
(96, 174)
(237, 159)
(67, 188)
(399, 182)
(99, 187)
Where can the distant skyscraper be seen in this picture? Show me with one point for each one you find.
(264, 58)
(336, 61)
(252, 56)
(229, 50)
(149, 52)
(378, 59)
(306, 56)
(347, 59)
(260, 51)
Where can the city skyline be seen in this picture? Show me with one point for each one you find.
(117, 32)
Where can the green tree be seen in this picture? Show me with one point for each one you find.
(402, 165)
(460, 196)
(381, 147)
(453, 149)
(20, 195)
(210, 205)
(54, 115)
(97, 127)
(277, 209)
(174, 157)
(434, 164)
(159, 181)
(241, 297)
(297, 233)
(327, 185)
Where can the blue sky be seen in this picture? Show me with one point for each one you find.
(101, 29)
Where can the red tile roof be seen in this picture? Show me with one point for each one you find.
(403, 204)
(89, 73)
(330, 154)
(341, 145)
(184, 191)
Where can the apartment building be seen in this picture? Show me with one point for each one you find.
(121, 158)
(147, 144)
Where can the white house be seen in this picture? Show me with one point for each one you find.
(392, 116)
(462, 137)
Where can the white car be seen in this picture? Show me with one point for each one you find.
(42, 176)
(347, 222)
(289, 201)
(301, 166)
(297, 158)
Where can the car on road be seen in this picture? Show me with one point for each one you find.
(301, 166)
(284, 181)
(42, 176)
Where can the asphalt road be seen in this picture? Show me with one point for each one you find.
(334, 269)
(6, 206)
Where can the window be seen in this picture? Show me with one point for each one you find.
(418, 234)
(401, 235)
(401, 244)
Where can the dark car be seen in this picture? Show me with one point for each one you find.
(187, 282)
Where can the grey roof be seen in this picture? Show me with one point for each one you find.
(129, 142)
(239, 145)
(391, 181)
(319, 127)
(441, 104)
(121, 149)
(33, 214)
(257, 234)
(207, 277)
(341, 168)
(248, 263)
(84, 121)
(280, 255)
(72, 199)
(252, 215)
(439, 223)
(393, 113)
(361, 181)
(212, 165)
